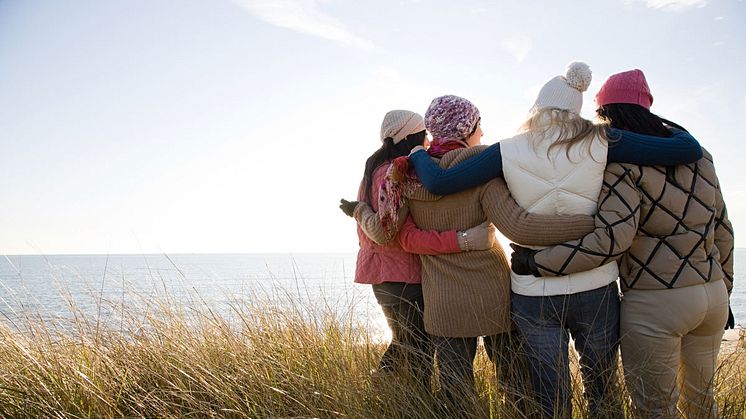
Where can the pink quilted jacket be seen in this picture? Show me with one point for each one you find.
(397, 261)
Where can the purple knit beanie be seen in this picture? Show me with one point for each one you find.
(451, 117)
(626, 87)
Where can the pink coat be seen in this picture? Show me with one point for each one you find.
(398, 260)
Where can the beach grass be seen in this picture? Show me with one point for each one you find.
(262, 359)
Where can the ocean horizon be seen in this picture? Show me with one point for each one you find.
(51, 286)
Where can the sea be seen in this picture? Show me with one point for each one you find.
(49, 287)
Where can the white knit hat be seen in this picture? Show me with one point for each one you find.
(398, 124)
(565, 92)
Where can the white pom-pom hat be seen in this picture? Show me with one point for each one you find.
(565, 92)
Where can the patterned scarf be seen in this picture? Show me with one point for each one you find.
(401, 181)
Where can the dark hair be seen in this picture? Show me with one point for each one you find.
(635, 118)
(387, 153)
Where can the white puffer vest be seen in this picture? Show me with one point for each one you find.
(556, 185)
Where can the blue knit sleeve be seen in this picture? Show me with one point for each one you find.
(467, 174)
(648, 150)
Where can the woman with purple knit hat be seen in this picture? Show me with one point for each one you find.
(668, 228)
(466, 295)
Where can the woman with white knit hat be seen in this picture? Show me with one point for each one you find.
(555, 166)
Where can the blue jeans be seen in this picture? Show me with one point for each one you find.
(592, 318)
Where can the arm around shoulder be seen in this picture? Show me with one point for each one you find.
(371, 224)
(615, 228)
(523, 227)
(648, 150)
(470, 173)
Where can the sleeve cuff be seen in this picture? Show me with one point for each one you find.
(532, 265)
(357, 213)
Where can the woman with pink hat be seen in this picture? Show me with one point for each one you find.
(668, 228)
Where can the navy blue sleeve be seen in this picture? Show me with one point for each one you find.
(648, 150)
(473, 172)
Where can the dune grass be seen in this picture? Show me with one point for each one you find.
(263, 359)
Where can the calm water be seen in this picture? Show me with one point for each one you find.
(97, 285)
(46, 284)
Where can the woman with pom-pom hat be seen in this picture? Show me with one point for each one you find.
(555, 165)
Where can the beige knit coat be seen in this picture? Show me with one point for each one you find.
(666, 231)
(468, 294)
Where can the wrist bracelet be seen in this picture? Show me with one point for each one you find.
(465, 236)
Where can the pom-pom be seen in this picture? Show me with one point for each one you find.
(578, 76)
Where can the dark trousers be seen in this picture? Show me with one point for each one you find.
(456, 366)
(592, 318)
(411, 348)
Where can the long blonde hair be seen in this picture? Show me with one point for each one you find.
(573, 129)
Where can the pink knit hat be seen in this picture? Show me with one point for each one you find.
(627, 87)
(451, 117)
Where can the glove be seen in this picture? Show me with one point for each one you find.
(481, 237)
(348, 207)
(521, 260)
(731, 323)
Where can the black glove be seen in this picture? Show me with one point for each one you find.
(522, 260)
(348, 207)
(731, 323)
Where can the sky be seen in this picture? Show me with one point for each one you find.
(235, 126)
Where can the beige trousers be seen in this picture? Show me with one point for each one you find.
(670, 341)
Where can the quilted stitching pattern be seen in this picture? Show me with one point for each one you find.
(679, 228)
(563, 185)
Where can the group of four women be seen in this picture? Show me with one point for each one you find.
(634, 197)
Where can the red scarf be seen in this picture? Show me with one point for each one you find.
(401, 180)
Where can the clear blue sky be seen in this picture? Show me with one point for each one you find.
(235, 126)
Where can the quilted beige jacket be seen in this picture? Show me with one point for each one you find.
(668, 227)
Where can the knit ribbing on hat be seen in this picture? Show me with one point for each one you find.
(626, 87)
(451, 117)
(565, 92)
(398, 124)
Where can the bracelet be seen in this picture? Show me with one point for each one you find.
(465, 236)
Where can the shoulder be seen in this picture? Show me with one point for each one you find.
(380, 171)
(455, 157)
(620, 170)
(518, 138)
(706, 155)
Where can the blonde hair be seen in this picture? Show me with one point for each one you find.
(573, 129)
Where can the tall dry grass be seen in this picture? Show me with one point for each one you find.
(262, 359)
